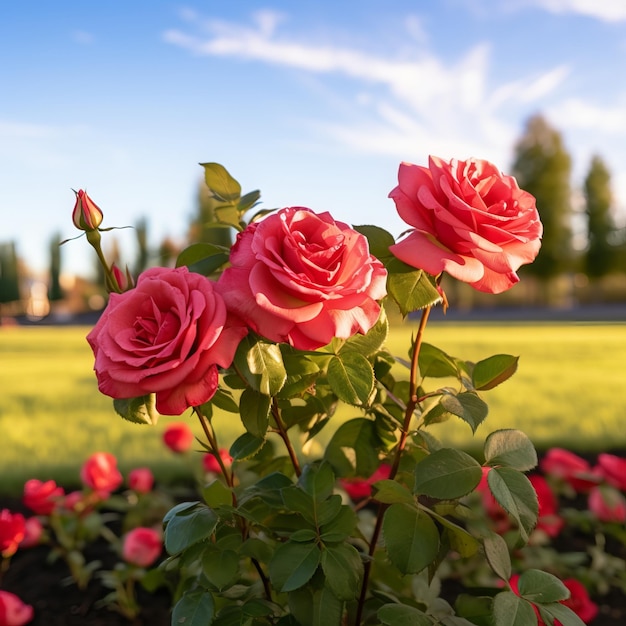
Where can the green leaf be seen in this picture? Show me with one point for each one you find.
(411, 538)
(466, 405)
(319, 607)
(351, 377)
(516, 495)
(379, 241)
(261, 364)
(538, 586)
(343, 569)
(221, 567)
(223, 399)
(202, 258)
(435, 363)
(293, 565)
(195, 608)
(391, 492)
(510, 610)
(139, 410)
(216, 494)
(248, 201)
(403, 615)
(222, 185)
(511, 448)
(411, 289)
(460, 540)
(560, 612)
(254, 409)
(318, 480)
(353, 448)
(301, 372)
(246, 446)
(189, 526)
(498, 556)
(490, 372)
(340, 526)
(369, 343)
(447, 474)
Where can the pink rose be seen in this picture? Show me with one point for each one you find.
(302, 278)
(41, 497)
(567, 466)
(13, 612)
(607, 504)
(12, 530)
(549, 521)
(359, 488)
(579, 601)
(141, 479)
(100, 473)
(613, 469)
(33, 530)
(142, 546)
(86, 214)
(210, 463)
(166, 336)
(178, 437)
(468, 220)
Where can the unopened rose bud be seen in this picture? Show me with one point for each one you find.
(119, 280)
(86, 214)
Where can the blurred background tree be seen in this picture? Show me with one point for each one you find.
(600, 254)
(542, 166)
(55, 291)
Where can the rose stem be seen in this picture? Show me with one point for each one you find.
(212, 439)
(282, 431)
(404, 433)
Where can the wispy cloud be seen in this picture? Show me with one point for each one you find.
(411, 99)
(605, 10)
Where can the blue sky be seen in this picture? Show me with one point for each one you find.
(314, 103)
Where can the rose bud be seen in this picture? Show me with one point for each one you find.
(86, 214)
(142, 546)
(211, 464)
(100, 473)
(178, 437)
(14, 612)
(141, 480)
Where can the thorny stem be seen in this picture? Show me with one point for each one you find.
(282, 431)
(404, 433)
(212, 439)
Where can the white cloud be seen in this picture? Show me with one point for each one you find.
(605, 10)
(576, 113)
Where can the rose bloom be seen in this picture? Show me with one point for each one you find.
(548, 521)
(12, 530)
(178, 437)
(567, 466)
(33, 530)
(41, 497)
(300, 277)
(100, 473)
(613, 469)
(13, 612)
(141, 479)
(468, 220)
(142, 546)
(166, 336)
(607, 504)
(360, 488)
(210, 464)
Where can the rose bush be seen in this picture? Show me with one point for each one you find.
(281, 330)
(468, 220)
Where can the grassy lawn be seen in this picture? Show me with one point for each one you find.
(568, 391)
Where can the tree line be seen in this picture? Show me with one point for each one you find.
(541, 164)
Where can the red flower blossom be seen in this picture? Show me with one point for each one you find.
(41, 497)
(567, 466)
(100, 473)
(13, 612)
(210, 463)
(142, 546)
(12, 530)
(360, 488)
(549, 521)
(178, 437)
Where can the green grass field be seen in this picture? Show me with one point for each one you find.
(569, 391)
